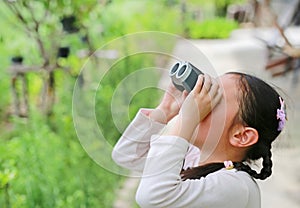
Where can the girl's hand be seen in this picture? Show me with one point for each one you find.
(202, 99)
(170, 104)
(197, 105)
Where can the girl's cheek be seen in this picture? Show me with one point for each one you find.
(212, 128)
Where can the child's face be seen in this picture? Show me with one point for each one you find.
(215, 127)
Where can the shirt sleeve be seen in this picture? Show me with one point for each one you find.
(161, 184)
(132, 148)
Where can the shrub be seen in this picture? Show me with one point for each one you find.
(211, 29)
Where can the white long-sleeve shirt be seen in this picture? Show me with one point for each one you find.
(161, 158)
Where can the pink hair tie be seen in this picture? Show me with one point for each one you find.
(228, 165)
(281, 115)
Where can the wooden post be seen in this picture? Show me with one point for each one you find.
(16, 100)
(19, 87)
(25, 93)
(48, 97)
(20, 96)
(20, 100)
(50, 93)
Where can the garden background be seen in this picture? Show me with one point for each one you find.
(43, 47)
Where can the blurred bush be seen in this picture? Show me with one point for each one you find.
(217, 28)
(42, 163)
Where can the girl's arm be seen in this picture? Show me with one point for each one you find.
(132, 148)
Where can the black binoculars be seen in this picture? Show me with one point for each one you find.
(184, 75)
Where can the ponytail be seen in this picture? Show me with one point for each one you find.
(265, 172)
(203, 171)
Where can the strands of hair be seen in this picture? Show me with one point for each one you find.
(203, 171)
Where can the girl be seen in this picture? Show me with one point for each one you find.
(201, 159)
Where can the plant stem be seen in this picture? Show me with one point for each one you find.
(7, 198)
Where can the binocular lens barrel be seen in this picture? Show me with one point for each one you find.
(175, 68)
(184, 75)
(173, 71)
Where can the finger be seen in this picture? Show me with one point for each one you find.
(207, 82)
(217, 98)
(184, 94)
(206, 85)
(199, 84)
(172, 88)
(214, 87)
(173, 91)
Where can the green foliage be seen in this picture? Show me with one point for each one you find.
(52, 168)
(215, 28)
(221, 6)
(143, 98)
(45, 165)
(42, 163)
(136, 16)
(4, 101)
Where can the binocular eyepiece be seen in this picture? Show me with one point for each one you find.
(184, 75)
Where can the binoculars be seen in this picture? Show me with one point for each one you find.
(184, 75)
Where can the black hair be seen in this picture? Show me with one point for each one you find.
(258, 104)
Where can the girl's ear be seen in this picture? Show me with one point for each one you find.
(244, 137)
